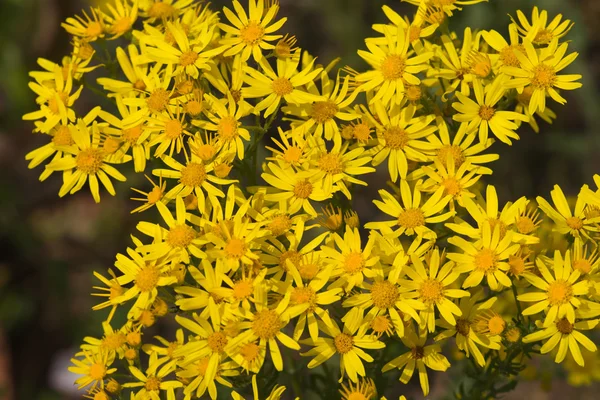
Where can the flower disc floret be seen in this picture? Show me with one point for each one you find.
(267, 324)
(384, 294)
(343, 343)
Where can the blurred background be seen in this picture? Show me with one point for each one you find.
(49, 246)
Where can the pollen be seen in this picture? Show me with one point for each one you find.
(451, 186)
(303, 189)
(282, 86)
(480, 64)
(228, 128)
(193, 107)
(323, 111)
(173, 128)
(413, 92)
(266, 324)
(62, 136)
(158, 100)
(431, 291)
(131, 135)
(154, 195)
(53, 104)
(463, 326)
(354, 262)
(486, 112)
(486, 260)
(252, 33)
(181, 236)
(381, 324)
(525, 225)
(496, 325)
(131, 354)
(414, 33)
(193, 174)
(134, 338)
(147, 278)
(217, 341)
(280, 224)
(392, 68)
(89, 161)
(97, 371)
(489, 323)
(362, 132)
(344, 343)
(411, 218)
(139, 85)
(395, 137)
(152, 384)
(114, 341)
(188, 58)
(564, 326)
(303, 295)
(453, 151)
(250, 351)
(582, 265)
(384, 294)
(574, 223)
(292, 154)
(559, 292)
(331, 163)
(517, 265)
(544, 77)
(508, 56)
(308, 271)
(235, 248)
(243, 289)
(205, 151)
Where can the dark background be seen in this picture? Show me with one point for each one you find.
(49, 246)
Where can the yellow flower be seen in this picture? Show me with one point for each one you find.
(540, 72)
(152, 384)
(506, 52)
(91, 28)
(575, 223)
(275, 394)
(95, 368)
(195, 375)
(398, 137)
(152, 197)
(539, 28)
(455, 181)
(567, 336)
(484, 115)
(486, 258)
(224, 119)
(133, 70)
(296, 188)
(287, 83)
(348, 343)
(352, 262)
(392, 67)
(251, 32)
(165, 356)
(429, 286)
(413, 217)
(561, 290)
(123, 16)
(266, 324)
(87, 164)
(419, 356)
(363, 389)
(454, 68)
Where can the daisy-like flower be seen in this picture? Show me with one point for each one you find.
(95, 368)
(224, 119)
(189, 57)
(195, 375)
(392, 67)
(352, 262)
(292, 151)
(348, 343)
(251, 32)
(567, 336)
(483, 115)
(196, 177)
(383, 298)
(460, 148)
(90, 28)
(540, 72)
(121, 18)
(506, 56)
(584, 261)
(478, 326)
(415, 28)
(55, 97)
(364, 387)
(296, 188)
(562, 290)
(486, 258)
(310, 293)
(413, 217)
(286, 84)
(179, 240)
(147, 276)
(151, 197)
(429, 286)
(152, 384)
(419, 356)
(89, 163)
(539, 28)
(398, 137)
(266, 324)
(455, 181)
(165, 354)
(576, 222)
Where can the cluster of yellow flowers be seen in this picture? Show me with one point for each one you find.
(241, 259)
